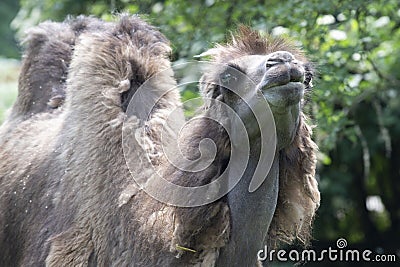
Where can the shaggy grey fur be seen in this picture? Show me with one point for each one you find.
(67, 197)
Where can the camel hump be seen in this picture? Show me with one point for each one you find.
(108, 66)
(48, 50)
(47, 53)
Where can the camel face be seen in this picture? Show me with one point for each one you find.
(280, 77)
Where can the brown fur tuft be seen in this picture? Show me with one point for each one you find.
(299, 197)
(250, 42)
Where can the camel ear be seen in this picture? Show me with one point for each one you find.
(209, 53)
(299, 197)
(47, 53)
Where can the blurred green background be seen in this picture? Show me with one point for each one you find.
(355, 103)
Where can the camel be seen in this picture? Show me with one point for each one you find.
(73, 145)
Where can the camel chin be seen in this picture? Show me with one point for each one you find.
(283, 96)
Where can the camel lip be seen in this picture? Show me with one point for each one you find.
(284, 95)
(291, 86)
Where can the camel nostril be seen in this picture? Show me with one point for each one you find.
(271, 63)
(297, 74)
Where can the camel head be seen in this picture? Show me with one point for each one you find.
(254, 65)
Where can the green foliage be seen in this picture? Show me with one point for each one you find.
(8, 84)
(8, 48)
(355, 103)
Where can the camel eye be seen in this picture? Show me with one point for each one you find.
(236, 67)
(227, 77)
(231, 75)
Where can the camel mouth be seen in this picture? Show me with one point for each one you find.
(284, 95)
